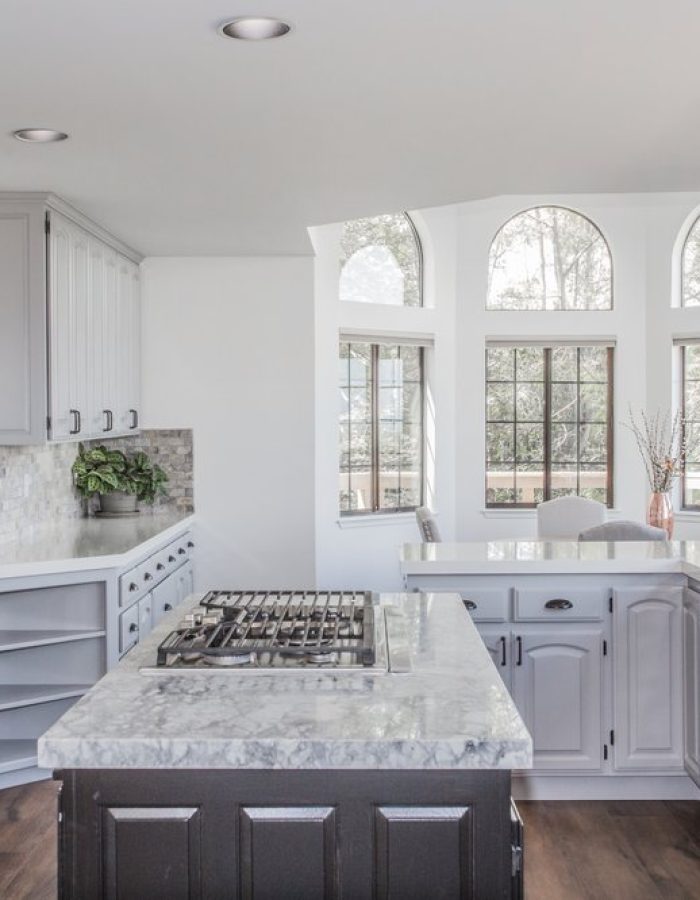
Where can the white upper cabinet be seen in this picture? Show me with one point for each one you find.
(69, 325)
(648, 677)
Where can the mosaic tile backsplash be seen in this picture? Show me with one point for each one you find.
(36, 485)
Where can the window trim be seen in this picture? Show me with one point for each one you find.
(419, 258)
(547, 347)
(576, 212)
(374, 509)
(681, 277)
(682, 344)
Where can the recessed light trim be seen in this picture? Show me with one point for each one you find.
(254, 28)
(39, 135)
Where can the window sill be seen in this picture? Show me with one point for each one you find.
(687, 515)
(372, 520)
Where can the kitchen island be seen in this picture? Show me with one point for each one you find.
(295, 784)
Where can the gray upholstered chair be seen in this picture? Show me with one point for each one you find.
(427, 525)
(623, 531)
(565, 517)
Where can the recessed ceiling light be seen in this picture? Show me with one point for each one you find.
(254, 28)
(39, 135)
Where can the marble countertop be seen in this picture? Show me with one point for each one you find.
(90, 543)
(551, 557)
(451, 711)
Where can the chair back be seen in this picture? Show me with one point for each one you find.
(566, 517)
(623, 531)
(427, 525)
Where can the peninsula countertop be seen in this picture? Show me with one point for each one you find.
(451, 711)
(89, 543)
(551, 557)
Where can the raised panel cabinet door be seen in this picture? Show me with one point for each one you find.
(557, 687)
(648, 663)
(61, 315)
(23, 340)
(110, 344)
(95, 422)
(691, 684)
(134, 374)
(498, 643)
(128, 353)
(81, 334)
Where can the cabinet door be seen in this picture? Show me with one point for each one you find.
(109, 342)
(165, 596)
(134, 356)
(497, 641)
(647, 652)
(557, 677)
(128, 347)
(691, 682)
(95, 421)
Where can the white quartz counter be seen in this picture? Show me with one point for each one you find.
(551, 557)
(451, 712)
(90, 543)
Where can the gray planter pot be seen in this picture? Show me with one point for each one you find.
(118, 502)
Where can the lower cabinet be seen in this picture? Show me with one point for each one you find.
(498, 642)
(691, 682)
(557, 687)
(139, 618)
(647, 682)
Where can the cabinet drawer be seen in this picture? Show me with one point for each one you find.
(487, 604)
(557, 604)
(145, 615)
(131, 587)
(129, 628)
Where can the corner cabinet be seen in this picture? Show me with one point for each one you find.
(69, 325)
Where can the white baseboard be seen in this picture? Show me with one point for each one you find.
(604, 787)
(24, 776)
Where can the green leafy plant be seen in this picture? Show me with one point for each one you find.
(100, 470)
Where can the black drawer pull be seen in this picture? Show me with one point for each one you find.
(133, 627)
(182, 551)
(519, 642)
(167, 607)
(134, 419)
(171, 558)
(148, 577)
(133, 587)
(160, 567)
(559, 603)
(469, 604)
(503, 650)
(190, 543)
(77, 425)
(110, 419)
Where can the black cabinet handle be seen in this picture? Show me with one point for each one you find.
(503, 650)
(469, 604)
(182, 551)
(167, 607)
(133, 587)
(160, 567)
(519, 642)
(190, 543)
(171, 558)
(133, 627)
(558, 603)
(134, 419)
(77, 423)
(110, 419)
(148, 577)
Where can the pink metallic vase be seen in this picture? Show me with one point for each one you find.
(660, 512)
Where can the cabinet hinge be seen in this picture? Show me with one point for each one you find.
(47, 224)
(612, 737)
(605, 751)
(605, 648)
(610, 603)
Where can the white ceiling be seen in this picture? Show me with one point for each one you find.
(183, 142)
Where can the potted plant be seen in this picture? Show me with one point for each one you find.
(119, 480)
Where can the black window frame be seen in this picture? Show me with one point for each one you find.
(690, 507)
(547, 422)
(375, 509)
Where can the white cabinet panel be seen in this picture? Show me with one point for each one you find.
(61, 328)
(145, 615)
(165, 597)
(498, 643)
(691, 682)
(557, 678)
(648, 677)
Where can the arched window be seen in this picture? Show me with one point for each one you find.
(381, 261)
(690, 267)
(549, 258)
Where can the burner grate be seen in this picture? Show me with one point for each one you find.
(267, 626)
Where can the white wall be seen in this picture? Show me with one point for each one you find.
(228, 350)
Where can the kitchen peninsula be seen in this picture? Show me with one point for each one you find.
(305, 782)
(599, 644)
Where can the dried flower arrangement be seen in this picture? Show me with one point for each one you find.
(661, 441)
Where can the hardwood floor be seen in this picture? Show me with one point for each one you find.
(573, 851)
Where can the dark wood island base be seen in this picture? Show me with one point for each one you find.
(287, 835)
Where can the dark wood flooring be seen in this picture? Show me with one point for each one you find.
(574, 850)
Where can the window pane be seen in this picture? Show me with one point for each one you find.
(690, 268)
(593, 402)
(500, 363)
(594, 483)
(529, 483)
(500, 406)
(564, 481)
(593, 443)
(380, 261)
(564, 443)
(564, 399)
(549, 258)
(529, 443)
(529, 402)
(564, 363)
(500, 443)
(593, 363)
(529, 364)
(500, 485)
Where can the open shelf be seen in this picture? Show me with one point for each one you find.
(13, 696)
(20, 639)
(17, 754)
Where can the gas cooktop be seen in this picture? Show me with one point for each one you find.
(254, 631)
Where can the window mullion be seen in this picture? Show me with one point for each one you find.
(547, 424)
